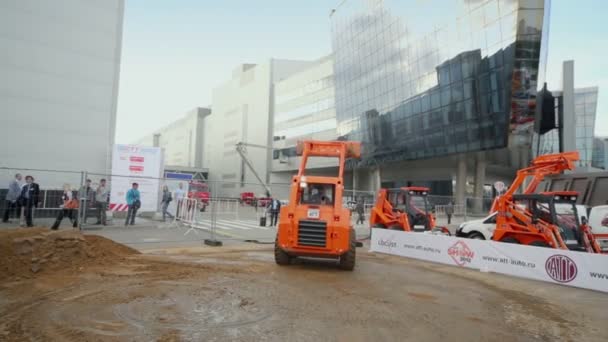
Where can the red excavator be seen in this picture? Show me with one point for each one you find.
(404, 209)
(548, 219)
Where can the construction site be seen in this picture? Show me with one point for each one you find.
(320, 280)
(347, 170)
(64, 286)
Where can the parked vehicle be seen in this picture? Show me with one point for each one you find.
(404, 209)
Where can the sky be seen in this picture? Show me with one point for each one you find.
(175, 52)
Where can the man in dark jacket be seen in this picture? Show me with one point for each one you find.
(274, 207)
(360, 209)
(30, 194)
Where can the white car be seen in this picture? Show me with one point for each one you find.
(598, 221)
(482, 229)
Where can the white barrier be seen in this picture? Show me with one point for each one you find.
(186, 211)
(578, 269)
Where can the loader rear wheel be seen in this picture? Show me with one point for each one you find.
(539, 243)
(510, 240)
(280, 257)
(347, 260)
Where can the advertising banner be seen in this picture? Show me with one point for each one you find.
(578, 269)
(136, 164)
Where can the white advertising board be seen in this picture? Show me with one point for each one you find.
(136, 164)
(557, 266)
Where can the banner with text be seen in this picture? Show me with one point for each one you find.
(135, 164)
(558, 266)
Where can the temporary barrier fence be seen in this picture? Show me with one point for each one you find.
(564, 267)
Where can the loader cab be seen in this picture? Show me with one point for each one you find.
(413, 202)
(317, 193)
(557, 208)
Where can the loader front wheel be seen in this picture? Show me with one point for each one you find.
(280, 257)
(347, 260)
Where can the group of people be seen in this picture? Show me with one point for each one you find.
(22, 197)
(25, 196)
(93, 199)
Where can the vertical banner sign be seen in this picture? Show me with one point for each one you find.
(130, 162)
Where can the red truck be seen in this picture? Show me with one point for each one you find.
(199, 191)
(250, 199)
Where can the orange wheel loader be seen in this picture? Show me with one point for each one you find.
(314, 223)
(404, 209)
(548, 219)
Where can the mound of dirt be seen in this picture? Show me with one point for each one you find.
(28, 252)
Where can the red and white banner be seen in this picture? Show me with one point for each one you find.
(578, 269)
(118, 207)
(135, 164)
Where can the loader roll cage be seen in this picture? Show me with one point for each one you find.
(558, 209)
(413, 202)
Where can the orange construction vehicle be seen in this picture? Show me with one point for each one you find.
(548, 219)
(314, 223)
(404, 209)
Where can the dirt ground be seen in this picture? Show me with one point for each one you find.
(241, 294)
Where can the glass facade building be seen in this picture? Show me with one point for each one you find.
(585, 107)
(600, 152)
(422, 79)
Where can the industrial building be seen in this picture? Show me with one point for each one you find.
(182, 141)
(243, 112)
(60, 71)
(304, 109)
(442, 93)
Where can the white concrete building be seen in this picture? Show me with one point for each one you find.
(304, 109)
(182, 140)
(243, 112)
(60, 65)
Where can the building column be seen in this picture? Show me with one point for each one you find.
(461, 180)
(480, 179)
(374, 179)
(569, 120)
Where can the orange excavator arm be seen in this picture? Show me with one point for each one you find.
(541, 167)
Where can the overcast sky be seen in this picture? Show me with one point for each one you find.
(175, 52)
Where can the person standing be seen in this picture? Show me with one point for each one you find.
(30, 194)
(69, 208)
(14, 191)
(134, 202)
(275, 207)
(360, 209)
(86, 195)
(102, 196)
(179, 197)
(449, 211)
(167, 198)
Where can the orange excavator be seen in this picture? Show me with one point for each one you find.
(548, 219)
(404, 209)
(314, 223)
